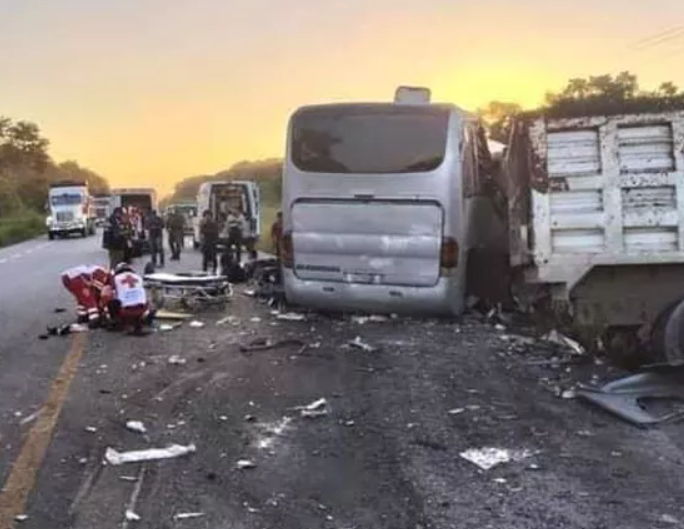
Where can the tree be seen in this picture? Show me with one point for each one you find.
(497, 116)
(21, 143)
(71, 170)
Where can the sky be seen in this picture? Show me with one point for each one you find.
(146, 92)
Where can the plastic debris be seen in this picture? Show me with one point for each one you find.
(130, 479)
(167, 327)
(196, 324)
(167, 315)
(226, 320)
(78, 327)
(457, 411)
(255, 320)
(291, 316)
(21, 517)
(177, 360)
(245, 464)
(136, 426)
(119, 458)
(251, 293)
(91, 429)
(560, 339)
(188, 515)
(316, 409)
(360, 344)
(132, 517)
(488, 458)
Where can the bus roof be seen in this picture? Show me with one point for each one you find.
(382, 104)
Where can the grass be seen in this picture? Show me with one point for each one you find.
(20, 227)
(268, 215)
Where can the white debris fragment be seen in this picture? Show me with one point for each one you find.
(669, 519)
(245, 464)
(360, 344)
(362, 320)
(487, 458)
(291, 316)
(255, 320)
(30, 418)
(91, 429)
(132, 517)
(167, 327)
(177, 360)
(249, 292)
(196, 324)
(568, 394)
(316, 409)
(21, 518)
(130, 479)
(188, 515)
(565, 341)
(226, 320)
(136, 426)
(457, 411)
(119, 458)
(78, 327)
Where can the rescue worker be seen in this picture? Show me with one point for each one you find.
(125, 300)
(209, 236)
(176, 229)
(87, 283)
(235, 223)
(155, 227)
(277, 233)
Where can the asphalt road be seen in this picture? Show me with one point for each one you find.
(385, 454)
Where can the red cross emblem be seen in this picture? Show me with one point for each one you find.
(130, 281)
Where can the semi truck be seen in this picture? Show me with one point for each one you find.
(70, 210)
(584, 217)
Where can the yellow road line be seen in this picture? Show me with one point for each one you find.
(20, 482)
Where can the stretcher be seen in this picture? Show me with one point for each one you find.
(192, 291)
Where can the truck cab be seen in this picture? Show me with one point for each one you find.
(218, 197)
(70, 210)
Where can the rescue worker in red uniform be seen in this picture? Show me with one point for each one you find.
(125, 300)
(86, 283)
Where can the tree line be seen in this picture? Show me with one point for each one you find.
(600, 94)
(27, 169)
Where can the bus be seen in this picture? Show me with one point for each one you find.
(373, 205)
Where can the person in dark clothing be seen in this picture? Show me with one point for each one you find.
(155, 226)
(115, 238)
(209, 234)
(176, 229)
(277, 233)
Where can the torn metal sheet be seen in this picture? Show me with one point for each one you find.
(623, 397)
(136, 456)
(488, 458)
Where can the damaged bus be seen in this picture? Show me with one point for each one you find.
(373, 208)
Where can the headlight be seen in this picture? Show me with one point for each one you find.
(48, 221)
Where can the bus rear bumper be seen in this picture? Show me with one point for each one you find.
(445, 298)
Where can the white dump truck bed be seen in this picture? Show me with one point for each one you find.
(603, 190)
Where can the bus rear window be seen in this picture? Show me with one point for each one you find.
(375, 140)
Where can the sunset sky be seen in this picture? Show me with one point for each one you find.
(150, 91)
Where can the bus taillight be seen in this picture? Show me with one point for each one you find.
(448, 258)
(287, 250)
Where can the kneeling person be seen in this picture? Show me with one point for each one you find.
(86, 283)
(127, 305)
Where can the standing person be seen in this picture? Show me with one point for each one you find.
(234, 226)
(176, 229)
(209, 236)
(155, 227)
(277, 233)
(116, 238)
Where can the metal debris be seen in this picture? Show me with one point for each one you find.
(167, 327)
(136, 426)
(91, 429)
(177, 360)
(132, 517)
(360, 344)
(488, 458)
(291, 316)
(188, 515)
(457, 411)
(119, 458)
(560, 339)
(245, 464)
(196, 324)
(314, 410)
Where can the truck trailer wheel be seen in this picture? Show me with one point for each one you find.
(667, 336)
(51, 236)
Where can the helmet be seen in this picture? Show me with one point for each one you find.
(122, 267)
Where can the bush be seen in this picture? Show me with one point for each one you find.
(20, 227)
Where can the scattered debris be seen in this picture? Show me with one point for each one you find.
(227, 319)
(91, 429)
(167, 315)
(245, 464)
(136, 426)
(255, 320)
(264, 344)
(360, 344)
(671, 520)
(316, 409)
(30, 418)
(188, 515)
(560, 339)
(21, 517)
(176, 360)
(250, 418)
(65, 330)
(362, 320)
(131, 479)
(456, 411)
(251, 293)
(622, 397)
(119, 458)
(167, 327)
(60, 310)
(291, 316)
(78, 327)
(132, 517)
(196, 324)
(488, 458)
